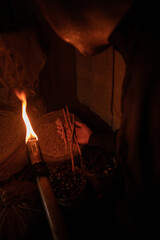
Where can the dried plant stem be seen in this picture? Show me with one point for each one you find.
(71, 143)
(72, 158)
(59, 123)
(69, 126)
(75, 138)
(68, 116)
(65, 118)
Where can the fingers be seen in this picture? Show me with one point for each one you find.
(79, 124)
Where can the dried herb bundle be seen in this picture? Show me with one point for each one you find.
(70, 127)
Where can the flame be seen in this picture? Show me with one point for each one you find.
(29, 130)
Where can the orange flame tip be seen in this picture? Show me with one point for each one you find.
(29, 130)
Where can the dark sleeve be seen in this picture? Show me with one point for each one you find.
(104, 140)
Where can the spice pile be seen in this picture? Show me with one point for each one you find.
(66, 183)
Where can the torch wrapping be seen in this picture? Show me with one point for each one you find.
(51, 207)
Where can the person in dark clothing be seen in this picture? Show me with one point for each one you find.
(133, 31)
(132, 28)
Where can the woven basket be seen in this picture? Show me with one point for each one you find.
(51, 143)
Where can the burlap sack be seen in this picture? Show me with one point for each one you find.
(21, 60)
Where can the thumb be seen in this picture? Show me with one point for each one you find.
(78, 124)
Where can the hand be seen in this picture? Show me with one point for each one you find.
(83, 132)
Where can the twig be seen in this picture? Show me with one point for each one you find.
(75, 138)
(63, 135)
(72, 158)
(73, 128)
(71, 143)
(65, 118)
(68, 116)
(69, 126)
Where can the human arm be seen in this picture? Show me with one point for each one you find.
(83, 132)
(105, 140)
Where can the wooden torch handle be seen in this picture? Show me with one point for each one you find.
(52, 210)
(51, 207)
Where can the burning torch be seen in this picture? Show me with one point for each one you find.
(48, 198)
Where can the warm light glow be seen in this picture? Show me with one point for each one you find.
(29, 130)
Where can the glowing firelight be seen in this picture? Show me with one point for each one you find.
(29, 130)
